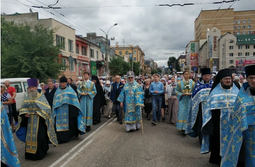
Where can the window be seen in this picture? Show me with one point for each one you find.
(249, 21)
(77, 48)
(134, 52)
(247, 46)
(126, 52)
(253, 53)
(91, 53)
(25, 85)
(64, 64)
(240, 46)
(247, 53)
(135, 59)
(244, 21)
(234, 27)
(240, 54)
(97, 55)
(71, 66)
(253, 46)
(244, 32)
(17, 86)
(231, 41)
(83, 50)
(238, 22)
(244, 27)
(231, 54)
(249, 26)
(234, 22)
(231, 47)
(238, 27)
(231, 61)
(120, 52)
(60, 41)
(238, 33)
(70, 45)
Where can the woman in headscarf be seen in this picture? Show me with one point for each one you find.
(98, 101)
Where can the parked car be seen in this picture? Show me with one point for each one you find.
(20, 84)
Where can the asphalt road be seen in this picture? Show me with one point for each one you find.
(109, 145)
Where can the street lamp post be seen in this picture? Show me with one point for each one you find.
(107, 47)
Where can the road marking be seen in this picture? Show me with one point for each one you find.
(71, 158)
(78, 145)
(112, 121)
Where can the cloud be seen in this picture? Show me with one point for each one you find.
(160, 31)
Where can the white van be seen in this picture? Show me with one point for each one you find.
(20, 84)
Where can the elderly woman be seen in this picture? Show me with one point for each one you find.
(7, 101)
(147, 98)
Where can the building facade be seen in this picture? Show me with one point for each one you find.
(227, 20)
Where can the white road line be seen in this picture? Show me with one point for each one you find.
(78, 145)
(77, 152)
(112, 122)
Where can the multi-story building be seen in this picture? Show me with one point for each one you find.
(182, 61)
(192, 56)
(63, 34)
(135, 51)
(227, 51)
(227, 20)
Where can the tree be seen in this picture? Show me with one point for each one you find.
(173, 64)
(116, 66)
(28, 52)
(136, 67)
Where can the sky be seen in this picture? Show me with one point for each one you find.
(160, 31)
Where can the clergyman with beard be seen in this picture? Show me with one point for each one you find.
(35, 127)
(67, 112)
(131, 100)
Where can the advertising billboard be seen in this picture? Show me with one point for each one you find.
(194, 59)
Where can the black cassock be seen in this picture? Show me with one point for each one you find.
(50, 95)
(42, 140)
(73, 132)
(98, 102)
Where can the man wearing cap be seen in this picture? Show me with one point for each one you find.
(216, 115)
(87, 91)
(241, 129)
(36, 127)
(116, 88)
(156, 89)
(132, 97)
(198, 102)
(67, 112)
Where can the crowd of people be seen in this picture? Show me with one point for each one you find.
(218, 109)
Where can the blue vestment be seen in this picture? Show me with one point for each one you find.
(132, 97)
(222, 99)
(9, 154)
(184, 103)
(199, 95)
(36, 108)
(61, 100)
(241, 129)
(86, 101)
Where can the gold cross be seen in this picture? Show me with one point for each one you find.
(227, 104)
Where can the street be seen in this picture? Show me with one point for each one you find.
(108, 144)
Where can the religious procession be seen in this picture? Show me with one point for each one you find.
(218, 109)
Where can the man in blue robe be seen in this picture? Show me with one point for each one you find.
(183, 92)
(36, 126)
(9, 154)
(198, 102)
(132, 98)
(87, 91)
(241, 129)
(67, 112)
(216, 114)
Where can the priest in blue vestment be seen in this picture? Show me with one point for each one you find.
(198, 102)
(131, 97)
(36, 126)
(216, 114)
(9, 154)
(240, 134)
(183, 92)
(67, 112)
(87, 91)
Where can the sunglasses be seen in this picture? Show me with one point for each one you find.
(130, 77)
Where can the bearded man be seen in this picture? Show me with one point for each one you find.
(131, 100)
(36, 127)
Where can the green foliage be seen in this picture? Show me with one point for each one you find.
(28, 52)
(154, 71)
(173, 62)
(136, 67)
